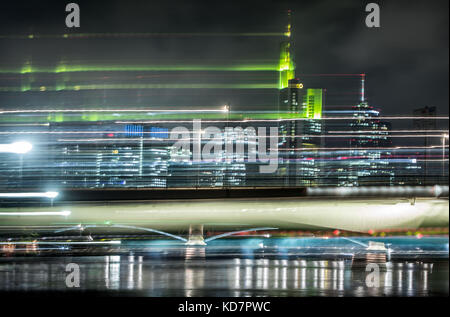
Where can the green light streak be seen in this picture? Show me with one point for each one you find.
(27, 68)
(138, 35)
(136, 86)
(150, 116)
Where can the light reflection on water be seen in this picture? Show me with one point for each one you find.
(143, 276)
(281, 267)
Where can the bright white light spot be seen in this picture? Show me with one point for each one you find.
(21, 147)
(51, 194)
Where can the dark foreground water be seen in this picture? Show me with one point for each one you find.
(250, 267)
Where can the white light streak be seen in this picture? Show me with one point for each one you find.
(61, 242)
(29, 195)
(64, 213)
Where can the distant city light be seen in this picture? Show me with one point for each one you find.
(20, 147)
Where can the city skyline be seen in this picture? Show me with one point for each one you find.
(258, 149)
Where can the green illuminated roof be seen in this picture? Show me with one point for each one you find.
(313, 103)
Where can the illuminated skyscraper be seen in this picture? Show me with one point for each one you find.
(367, 158)
(304, 104)
(287, 67)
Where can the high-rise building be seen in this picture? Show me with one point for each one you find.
(370, 143)
(302, 132)
(365, 140)
(287, 67)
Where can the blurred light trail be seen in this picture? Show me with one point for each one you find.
(328, 149)
(433, 160)
(284, 119)
(29, 195)
(142, 86)
(181, 117)
(222, 138)
(146, 68)
(139, 35)
(390, 131)
(23, 124)
(106, 110)
(332, 75)
(64, 213)
(205, 110)
(383, 191)
(60, 242)
(20, 147)
(203, 131)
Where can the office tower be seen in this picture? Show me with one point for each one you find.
(305, 105)
(370, 145)
(287, 67)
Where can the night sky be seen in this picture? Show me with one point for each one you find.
(406, 60)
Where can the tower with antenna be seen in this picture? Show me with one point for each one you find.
(363, 79)
(286, 65)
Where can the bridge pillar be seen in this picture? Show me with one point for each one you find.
(196, 235)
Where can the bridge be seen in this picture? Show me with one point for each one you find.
(358, 210)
